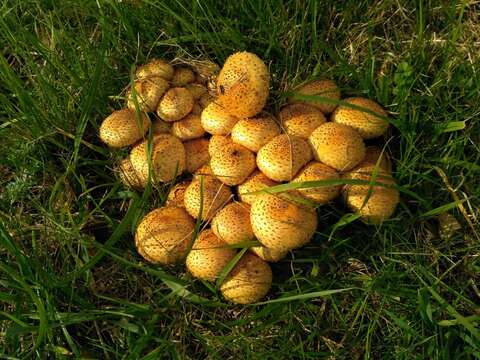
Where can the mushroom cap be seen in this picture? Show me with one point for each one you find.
(188, 128)
(216, 119)
(301, 119)
(215, 196)
(316, 171)
(255, 182)
(163, 235)
(197, 90)
(282, 157)
(155, 67)
(255, 132)
(337, 145)
(243, 84)
(128, 176)
(268, 254)
(232, 223)
(182, 76)
(149, 91)
(168, 158)
(217, 142)
(196, 153)
(176, 194)
(161, 127)
(281, 223)
(233, 164)
(382, 201)
(175, 104)
(208, 256)
(368, 125)
(249, 281)
(323, 88)
(123, 128)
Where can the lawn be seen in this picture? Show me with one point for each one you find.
(71, 282)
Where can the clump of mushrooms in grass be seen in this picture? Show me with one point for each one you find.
(204, 132)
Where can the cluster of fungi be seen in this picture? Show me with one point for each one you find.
(204, 130)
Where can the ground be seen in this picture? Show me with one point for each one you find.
(71, 282)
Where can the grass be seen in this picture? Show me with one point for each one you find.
(71, 282)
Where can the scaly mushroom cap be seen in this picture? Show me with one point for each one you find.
(128, 176)
(368, 125)
(148, 91)
(337, 145)
(249, 281)
(382, 201)
(163, 235)
(208, 256)
(300, 119)
(283, 157)
(176, 194)
(316, 171)
(197, 90)
(233, 164)
(255, 182)
(217, 142)
(282, 223)
(323, 88)
(196, 153)
(161, 127)
(155, 67)
(188, 128)
(175, 104)
(123, 128)
(372, 154)
(268, 254)
(232, 223)
(255, 132)
(182, 76)
(243, 84)
(168, 158)
(215, 196)
(216, 120)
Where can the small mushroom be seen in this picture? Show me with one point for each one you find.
(163, 235)
(280, 222)
(338, 146)
(123, 128)
(232, 164)
(283, 157)
(255, 132)
(208, 256)
(249, 281)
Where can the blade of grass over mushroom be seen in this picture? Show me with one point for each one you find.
(301, 97)
(330, 182)
(306, 296)
(230, 265)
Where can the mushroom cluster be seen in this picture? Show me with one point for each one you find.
(203, 130)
